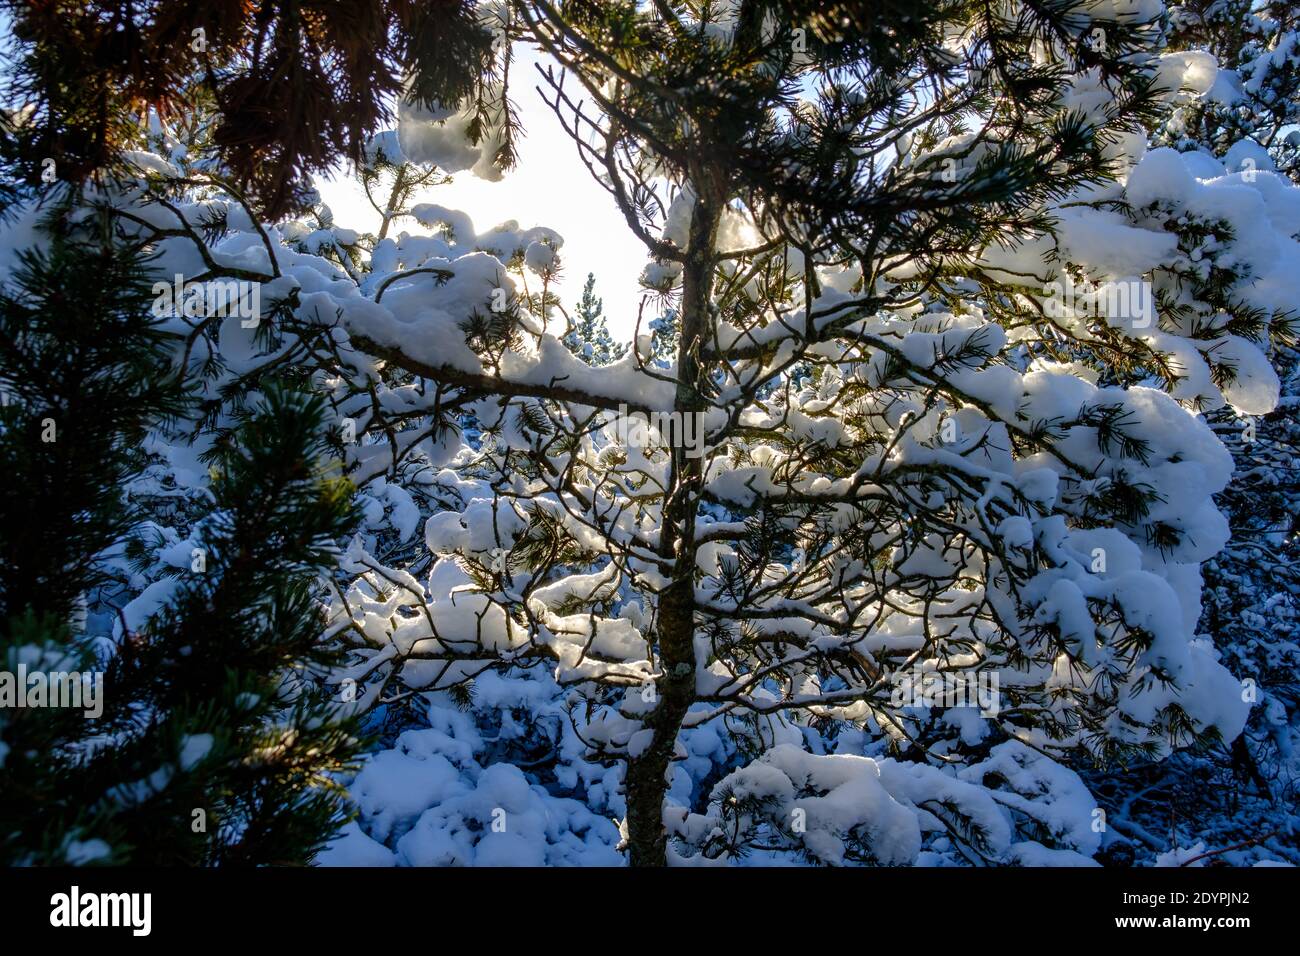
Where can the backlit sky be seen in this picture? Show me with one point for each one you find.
(549, 187)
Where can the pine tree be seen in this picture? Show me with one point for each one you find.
(1251, 609)
(297, 86)
(664, 336)
(589, 339)
(1253, 106)
(210, 739)
(84, 373)
(385, 168)
(250, 700)
(899, 440)
(882, 245)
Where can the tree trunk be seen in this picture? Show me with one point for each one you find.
(646, 781)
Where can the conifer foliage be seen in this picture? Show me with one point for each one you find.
(903, 213)
(298, 85)
(883, 545)
(203, 737)
(1239, 796)
(590, 339)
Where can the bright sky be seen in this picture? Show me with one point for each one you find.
(550, 187)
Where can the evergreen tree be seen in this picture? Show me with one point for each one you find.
(83, 372)
(900, 206)
(297, 86)
(589, 339)
(1249, 111)
(248, 701)
(385, 168)
(664, 336)
(210, 739)
(1232, 796)
(945, 339)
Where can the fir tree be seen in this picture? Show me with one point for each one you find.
(589, 339)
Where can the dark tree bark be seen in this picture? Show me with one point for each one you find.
(646, 780)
